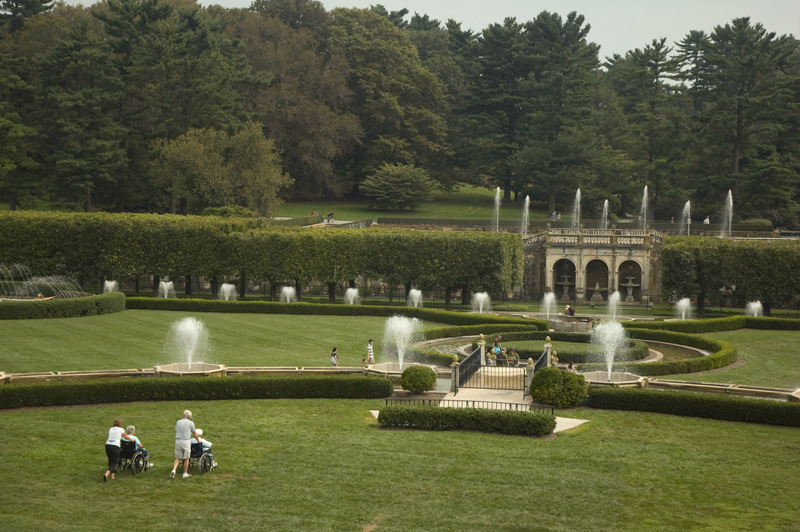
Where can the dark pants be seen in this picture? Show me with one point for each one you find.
(113, 457)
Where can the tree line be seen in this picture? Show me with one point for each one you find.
(97, 246)
(166, 106)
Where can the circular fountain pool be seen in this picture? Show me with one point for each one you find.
(196, 369)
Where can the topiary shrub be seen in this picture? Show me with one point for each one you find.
(418, 379)
(552, 386)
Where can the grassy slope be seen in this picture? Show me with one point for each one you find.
(136, 338)
(324, 466)
(469, 202)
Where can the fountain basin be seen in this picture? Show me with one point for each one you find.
(197, 369)
(618, 379)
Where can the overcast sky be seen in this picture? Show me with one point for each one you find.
(617, 25)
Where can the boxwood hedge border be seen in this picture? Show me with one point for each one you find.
(472, 419)
(72, 307)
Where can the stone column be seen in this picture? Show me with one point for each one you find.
(482, 347)
(454, 375)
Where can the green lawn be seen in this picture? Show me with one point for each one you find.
(136, 339)
(469, 202)
(771, 359)
(297, 465)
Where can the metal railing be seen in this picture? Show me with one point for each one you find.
(489, 405)
(468, 368)
(497, 378)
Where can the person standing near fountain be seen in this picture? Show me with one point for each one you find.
(370, 353)
(707, 221)
(184, 432)
(335, 357)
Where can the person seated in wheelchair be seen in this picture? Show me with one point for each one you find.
(131, 431)
(203, 448)
(132, 454)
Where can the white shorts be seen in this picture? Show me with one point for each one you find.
(183, 448)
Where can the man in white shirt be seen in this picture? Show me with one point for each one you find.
(184, 432)
(370, 353)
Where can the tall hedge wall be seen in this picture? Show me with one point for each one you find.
(63, 308)
(102, 245)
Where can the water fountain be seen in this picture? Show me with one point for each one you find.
(351, 296)
(683, 309)
(400, 332)
(110, 286)
(414, 298)
(754, 309)
(613, 304)
(523, 228)
(497, 210)
(611, 336)
(604, 216)
(548, 303)
(576, 210)
(643, 208)
(17, 282)
(188, 340)
(227, 292)
(166, 289)
(727, 216)
(480, 302)
(288, 294)
(686, 218)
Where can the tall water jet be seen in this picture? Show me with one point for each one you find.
(613, 304)
(288, 294)
(398, 333)
(727, 216)
(683, 309)
(548, 304)
(523, 228)
(643, 208)
(754, 309)
(481, 301)
(611, 336)
(414, 298)
(497, 210)
(110, 286)
(166, 289)
(351, 296)
(604, 216)
(227, 292)
(686, 218)
(187, 340)
(576, 210)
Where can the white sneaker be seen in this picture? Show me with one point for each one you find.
(150, 465)
(186, 475)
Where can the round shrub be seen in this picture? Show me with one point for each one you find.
(559, 388)
(418, 379)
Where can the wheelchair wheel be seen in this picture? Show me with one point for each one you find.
(137, 463)
(205, 463)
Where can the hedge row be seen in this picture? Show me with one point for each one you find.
(475, 419)
(270, 307)
(705, 405)
(62, 308)
(194, 389)
(722, 354)
(730, 323)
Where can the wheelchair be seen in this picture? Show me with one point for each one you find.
(130, 458)
(202, 459)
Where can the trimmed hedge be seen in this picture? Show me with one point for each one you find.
(474, 419)
(418, 379)
(553, 386)
(694, 404)
(194, 389)
(730, 323)
(272, 307)
(62, 308)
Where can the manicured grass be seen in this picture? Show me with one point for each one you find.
(469, 202)
(136, 339)
(297, 465)
(771, 359)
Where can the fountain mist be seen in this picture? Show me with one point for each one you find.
(643, 208)
(414, 298)
(613, 304)
(548, 303)
(604, 216)
(754, 309)
(523, 228)
(187, 339)
(576, 210)
(611, 336)
(400, 332)
(683, 309)
(227, 292)
(166, 289)
(351, 296)
(481, 301)
(727, 216)
(686, 217)
(288, 294)
(110, 286)
(497, 210)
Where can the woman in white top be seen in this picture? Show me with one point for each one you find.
(115, 435)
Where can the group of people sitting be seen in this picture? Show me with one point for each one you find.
(503, 356)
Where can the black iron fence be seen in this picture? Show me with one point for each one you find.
(459, 403)
(468, 367)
